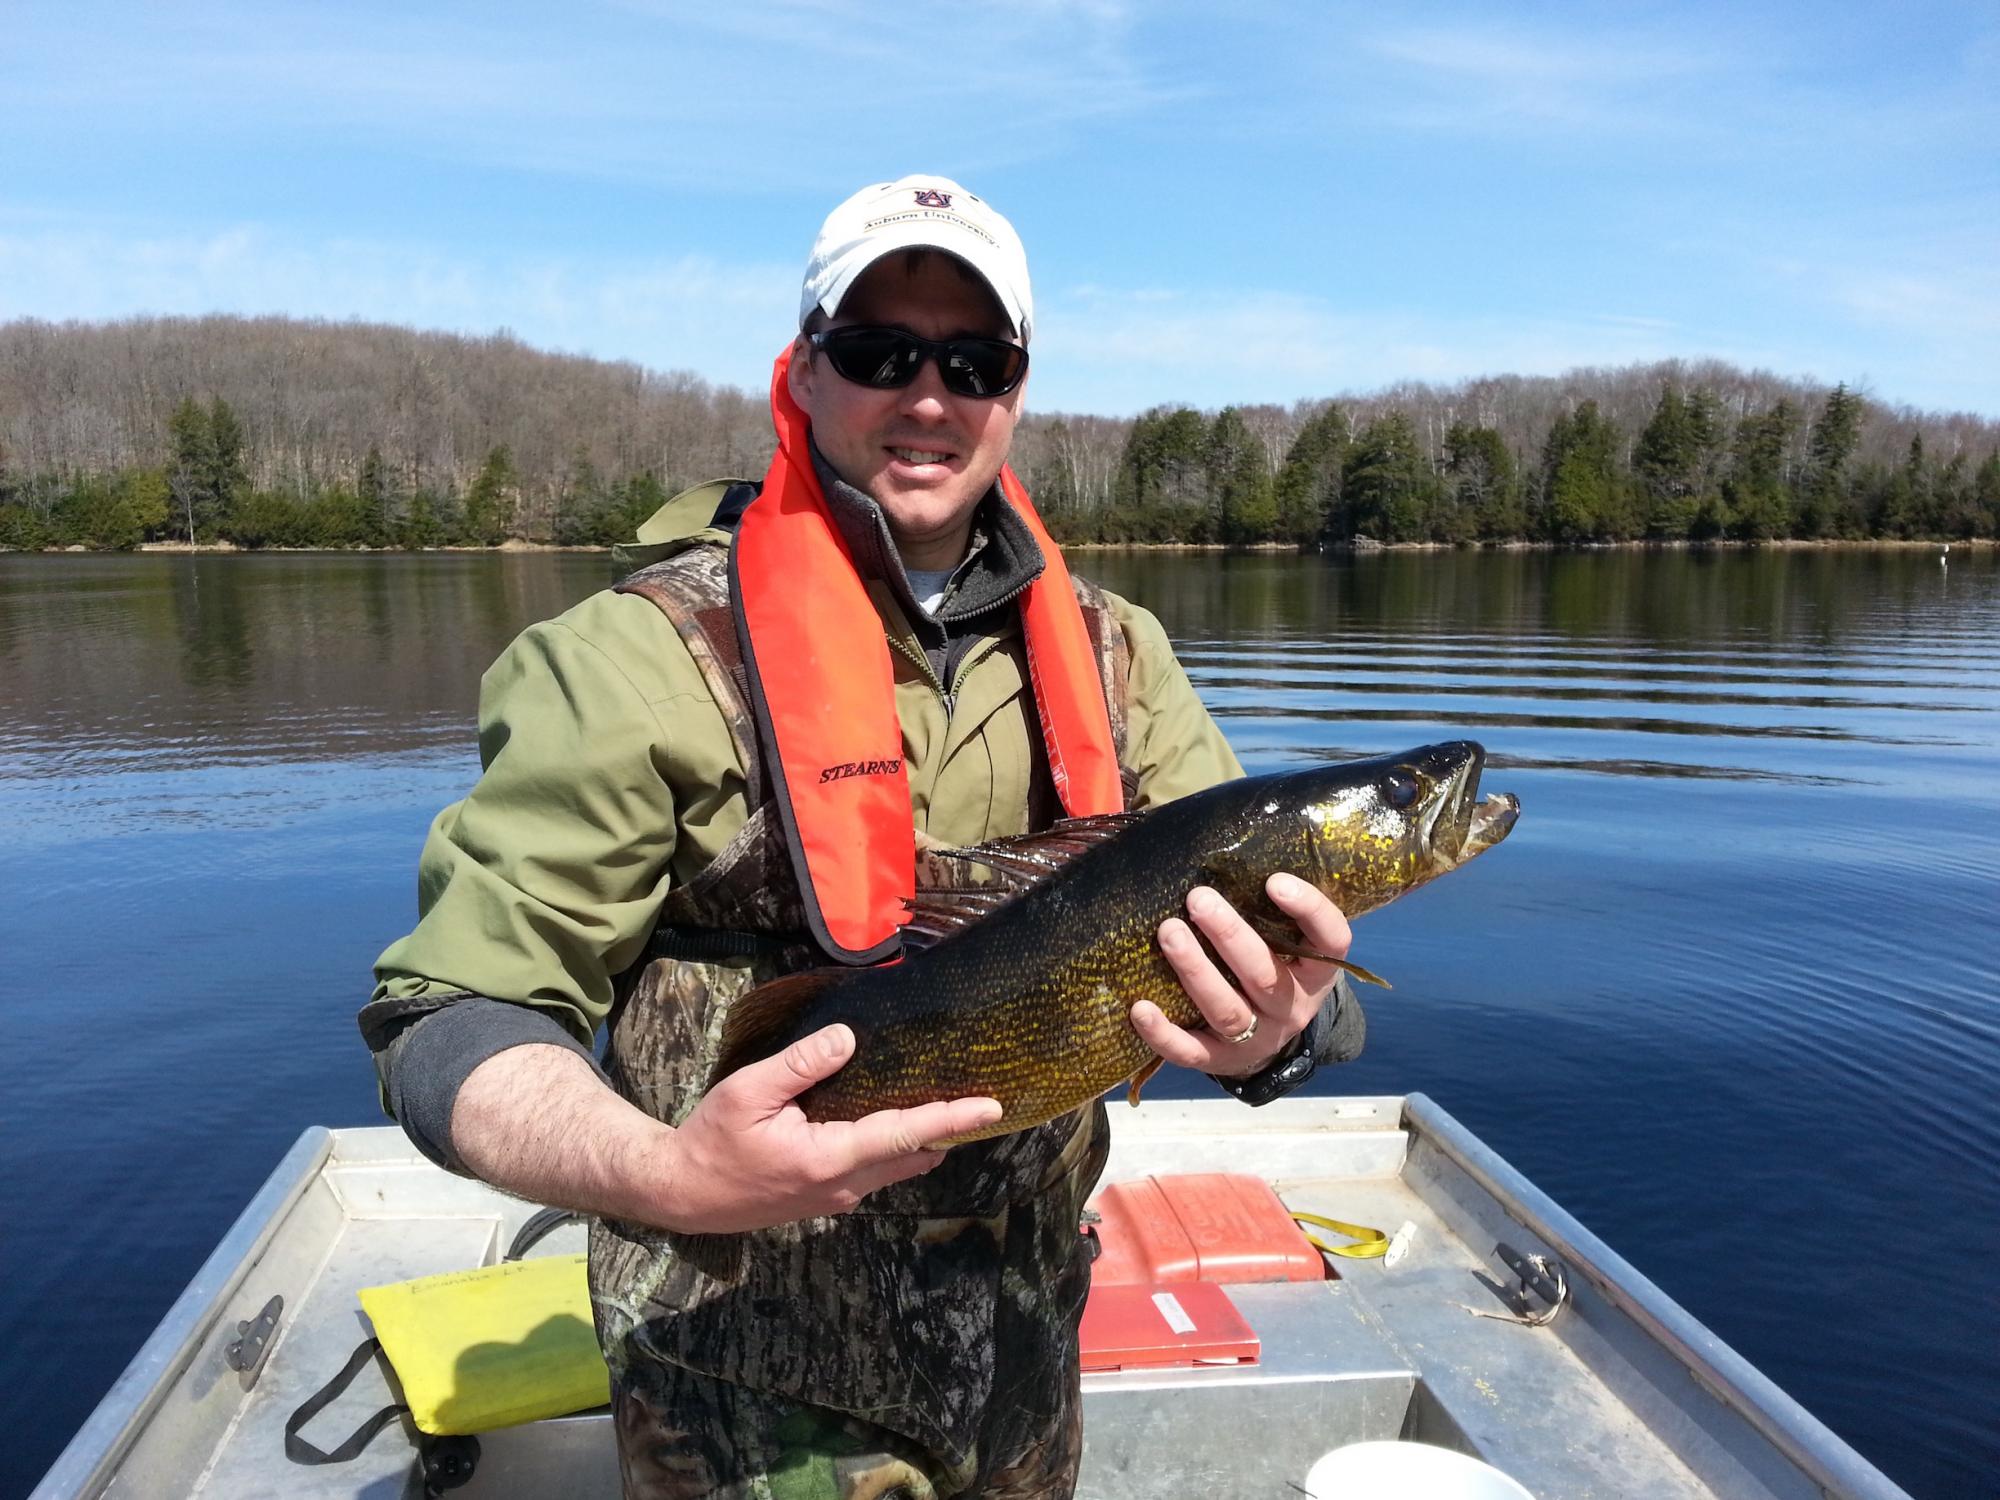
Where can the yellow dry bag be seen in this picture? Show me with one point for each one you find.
(489, 1348)
(474, 1350)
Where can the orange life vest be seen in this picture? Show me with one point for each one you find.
(823, 694)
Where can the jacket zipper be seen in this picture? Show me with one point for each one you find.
(948, 696)
(922, 663)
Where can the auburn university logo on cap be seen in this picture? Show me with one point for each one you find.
(932, 198)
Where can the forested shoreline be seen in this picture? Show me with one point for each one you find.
(274, 432)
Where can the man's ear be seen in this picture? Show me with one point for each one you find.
(799, 373)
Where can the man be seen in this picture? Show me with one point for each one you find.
(723, 771)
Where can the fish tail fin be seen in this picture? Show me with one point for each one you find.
(719, 1256)
(761, 1022)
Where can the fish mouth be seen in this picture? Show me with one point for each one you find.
(1460, 826)
(1492, 821)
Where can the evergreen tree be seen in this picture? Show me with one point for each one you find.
(642, 495)
(22, 528)
(1673, 463)
(190, 473)
(1308, 484)
(1986, 497)
(374, 492)
(1583, 499)
(206, 474)
(489, 504)
(586, 506)
(226, 477)
(1956, 512)
(1483, 484)
(1760, 501)
(1387, 490)
(149, 499)
(101, 511)
(425, 524)
(1824, 502)
(1162, 478)
(1239, 484)
(1904, 504)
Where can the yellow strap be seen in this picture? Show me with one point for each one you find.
(1373, 1242)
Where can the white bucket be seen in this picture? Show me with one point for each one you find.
(1404, 1471)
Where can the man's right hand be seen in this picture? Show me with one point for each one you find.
(538, 1122)
(748, 1158)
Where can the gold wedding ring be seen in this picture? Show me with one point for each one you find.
(1245, 1034)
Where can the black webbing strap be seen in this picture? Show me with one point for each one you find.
(299, 1451)
(538, 1227)
(714, 944)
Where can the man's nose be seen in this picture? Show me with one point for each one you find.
(926, 398)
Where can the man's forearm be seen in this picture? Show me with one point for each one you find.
(539, 1121)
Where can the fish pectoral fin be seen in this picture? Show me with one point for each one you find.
(759, 1020)
(1285, 938)
(1139, 1080)
(1366, 976)
(719, 1256)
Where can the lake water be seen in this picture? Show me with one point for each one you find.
(1729, 992)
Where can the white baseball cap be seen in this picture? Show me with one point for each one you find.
(912, 212)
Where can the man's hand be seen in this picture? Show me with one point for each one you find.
(1270, 997)
(536, 1121)
(748, 1158)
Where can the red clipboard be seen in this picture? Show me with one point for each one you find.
(1159, 1327)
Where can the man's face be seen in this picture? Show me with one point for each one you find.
(924, 455)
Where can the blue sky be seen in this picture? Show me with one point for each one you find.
(1221, 203)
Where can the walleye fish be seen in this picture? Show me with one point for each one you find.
(1021, 989)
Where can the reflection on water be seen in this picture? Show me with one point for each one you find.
(1739, 947)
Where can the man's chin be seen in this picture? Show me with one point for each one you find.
(921, 521)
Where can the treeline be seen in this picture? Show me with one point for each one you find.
(203, 493)
(281, 432)
(1690, 473)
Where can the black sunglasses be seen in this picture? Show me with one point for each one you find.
(888, 359)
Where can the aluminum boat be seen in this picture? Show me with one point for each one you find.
(1496, 1326)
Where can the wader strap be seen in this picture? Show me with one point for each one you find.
(707, 945)
(299, 1451)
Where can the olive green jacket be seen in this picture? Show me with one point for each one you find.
(610, 777)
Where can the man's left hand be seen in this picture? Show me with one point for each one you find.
(1264, 1000)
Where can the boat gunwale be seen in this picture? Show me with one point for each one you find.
(91, 1458)
(1815, 1449)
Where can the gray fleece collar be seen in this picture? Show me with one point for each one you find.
(1001, 558)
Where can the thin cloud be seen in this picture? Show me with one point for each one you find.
(1520, 59)
(1114, 355)
(653, 93)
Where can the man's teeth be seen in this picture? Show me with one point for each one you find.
(919, 456)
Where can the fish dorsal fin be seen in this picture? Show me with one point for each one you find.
(1027, 859)
(1016, 864)
(758, 1022)
(940, 911)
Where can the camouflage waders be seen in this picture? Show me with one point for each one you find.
(929, 1336)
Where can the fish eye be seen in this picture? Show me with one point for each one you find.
(1400, 787)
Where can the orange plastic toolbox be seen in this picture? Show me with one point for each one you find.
(1204, 1226)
